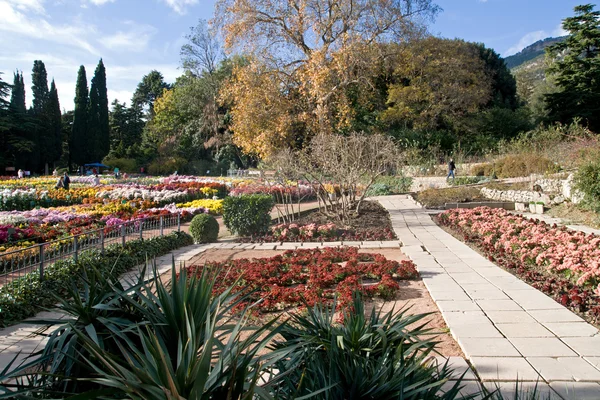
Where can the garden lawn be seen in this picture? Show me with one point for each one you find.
(562, 263)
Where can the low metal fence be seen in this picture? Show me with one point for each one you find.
(14, 264)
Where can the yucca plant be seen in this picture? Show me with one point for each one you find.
(94, 304)
(190, 346)
(380, 356)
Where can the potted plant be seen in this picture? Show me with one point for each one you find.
(539, 207)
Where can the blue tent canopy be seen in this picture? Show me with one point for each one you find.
(96, 165)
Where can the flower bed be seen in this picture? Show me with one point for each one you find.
(43, 225)
(308, 276)
(215, 207)
(294, 191)
(562, 263)
(320, 233)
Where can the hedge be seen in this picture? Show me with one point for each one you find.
(26, 296)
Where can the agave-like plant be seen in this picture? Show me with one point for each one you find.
(190, 347)
(379, 356)
(93, 304)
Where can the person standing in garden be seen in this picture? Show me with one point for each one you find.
(20, 174)
(66, 181)
(60, 184)
(451, 168)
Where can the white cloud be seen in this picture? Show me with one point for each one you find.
(135, 39)
(526, 40)
(179, 6)
(15, 21)
(559, 31)
(28, 5)
(123, 96)
(101, 2)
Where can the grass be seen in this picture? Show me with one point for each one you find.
(574, 214)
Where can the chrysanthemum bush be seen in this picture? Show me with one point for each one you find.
(309, 276)
(558, 261)
(322, 233)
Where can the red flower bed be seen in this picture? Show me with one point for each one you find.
(308, 276)
(562, 263)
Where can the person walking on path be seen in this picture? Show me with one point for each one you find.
(60, 184)
(20, 174)
(451, 168)
(66, 181)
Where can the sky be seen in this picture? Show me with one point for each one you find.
(134, 37)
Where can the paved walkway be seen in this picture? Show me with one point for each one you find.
(506, 328)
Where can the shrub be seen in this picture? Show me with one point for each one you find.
(587, 180)
(247, 215)
(124, 164)
(516, 165)
(204, 228)
(393, 184)
(379, 189)
(155, 340)
(166, 165)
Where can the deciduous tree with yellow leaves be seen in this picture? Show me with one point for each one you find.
(306, 56)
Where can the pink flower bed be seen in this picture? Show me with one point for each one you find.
(558, 261)
(319, 233)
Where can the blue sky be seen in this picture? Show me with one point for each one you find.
(135, 36)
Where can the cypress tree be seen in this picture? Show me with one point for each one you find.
(94, 122)
(55, 124)
(17, 140)
(41, 136)
(17, 97)
(78, 148)
(39, 88)
(99, 81)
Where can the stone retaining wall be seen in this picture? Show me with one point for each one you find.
(554, 191)
(520, 196)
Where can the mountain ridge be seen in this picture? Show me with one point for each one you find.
(531, 52)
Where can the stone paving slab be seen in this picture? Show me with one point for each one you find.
(572, 329)
(556, 315)
(542, 347)
(459, 366)
(524, 330)
(508, 389)
(588, 347)
(504, 369)
(496, 347)
(565, 369)
(468, 388)
(577, 390)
